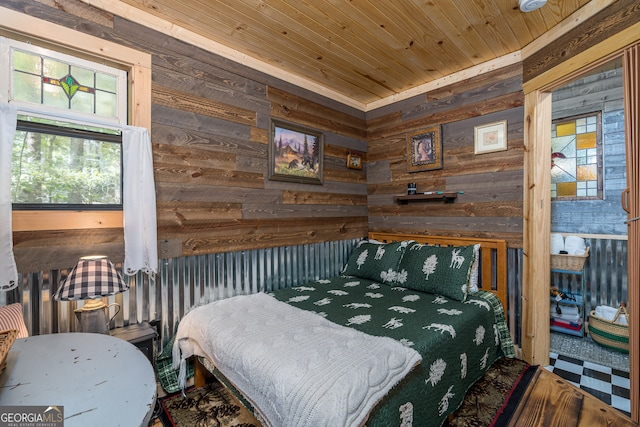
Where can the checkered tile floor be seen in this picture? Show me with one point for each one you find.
(607, 384)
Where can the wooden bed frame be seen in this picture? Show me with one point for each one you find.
(492, 278)
(493, 258)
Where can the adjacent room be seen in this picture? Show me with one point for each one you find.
(303, 213)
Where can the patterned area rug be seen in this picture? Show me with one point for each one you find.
(490, 402)
(208, 406)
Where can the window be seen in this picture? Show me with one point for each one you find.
(62, 167)
(576, 157)
(67, 149)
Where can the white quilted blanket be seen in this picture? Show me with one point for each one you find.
(296, 368)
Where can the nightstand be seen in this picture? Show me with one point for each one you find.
(142, 335)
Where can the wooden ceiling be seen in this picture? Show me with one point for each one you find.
(363, 52)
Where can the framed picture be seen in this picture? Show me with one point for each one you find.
(295, 153)
(354, 161)
(424, 150)
(491, 137)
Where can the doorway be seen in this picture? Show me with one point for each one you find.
(538, 119)
(588, 172)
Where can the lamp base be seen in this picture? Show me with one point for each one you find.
(93, 317)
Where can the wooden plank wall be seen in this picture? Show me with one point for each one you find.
(210, 125)
(491, 205)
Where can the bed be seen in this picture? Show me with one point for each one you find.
(395, 340)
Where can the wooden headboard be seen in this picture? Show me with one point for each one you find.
(493, 258)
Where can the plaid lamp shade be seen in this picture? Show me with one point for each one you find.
(92, 277)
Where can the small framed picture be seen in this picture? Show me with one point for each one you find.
(354, 161)
(424, 150)
(491, 137)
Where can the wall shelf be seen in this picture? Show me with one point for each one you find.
(446, 197)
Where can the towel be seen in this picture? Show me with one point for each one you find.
(557, 243)
(575, 245)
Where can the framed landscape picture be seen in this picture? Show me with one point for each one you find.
(295, 153)
(424, 150)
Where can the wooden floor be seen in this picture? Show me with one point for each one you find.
(550, 401)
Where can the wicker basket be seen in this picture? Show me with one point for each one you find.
(6, 341)
(609, 334)
(569, 262)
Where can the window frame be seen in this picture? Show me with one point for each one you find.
(136, 63)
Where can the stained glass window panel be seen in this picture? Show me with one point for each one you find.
(27, 88)
(54, 96)
(586, 140)
(53, 68)
(576, 164)
(565, 129)
(587, 173)
(566, 189)
(105, 103)
(106, 82)
(51, 81)
(27, 63)
(83, 102)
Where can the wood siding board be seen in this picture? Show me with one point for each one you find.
(202, 106)
(378, 172)
(616, 17)
(183, 140)
(203, 87)
(254, 234)
(256, 211)
(466, 98)
(251, 164)
(504, 77)
(89, 20)
(513, 239)
(480, 227)
(43, 258)
(327, 186)
(198, 123)
(299, 110)
(487, 106)
(387, 149)
(195, 193)
(82, 10)
(206, 176)
(324, 198)
(185, 156)
(226, 84)
(510, 209)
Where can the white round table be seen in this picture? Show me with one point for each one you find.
(99, 380)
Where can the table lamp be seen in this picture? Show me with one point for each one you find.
(91, 279)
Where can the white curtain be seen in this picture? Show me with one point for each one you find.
(139, 203)
(8, 270)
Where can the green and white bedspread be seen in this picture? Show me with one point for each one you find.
(458, 341)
